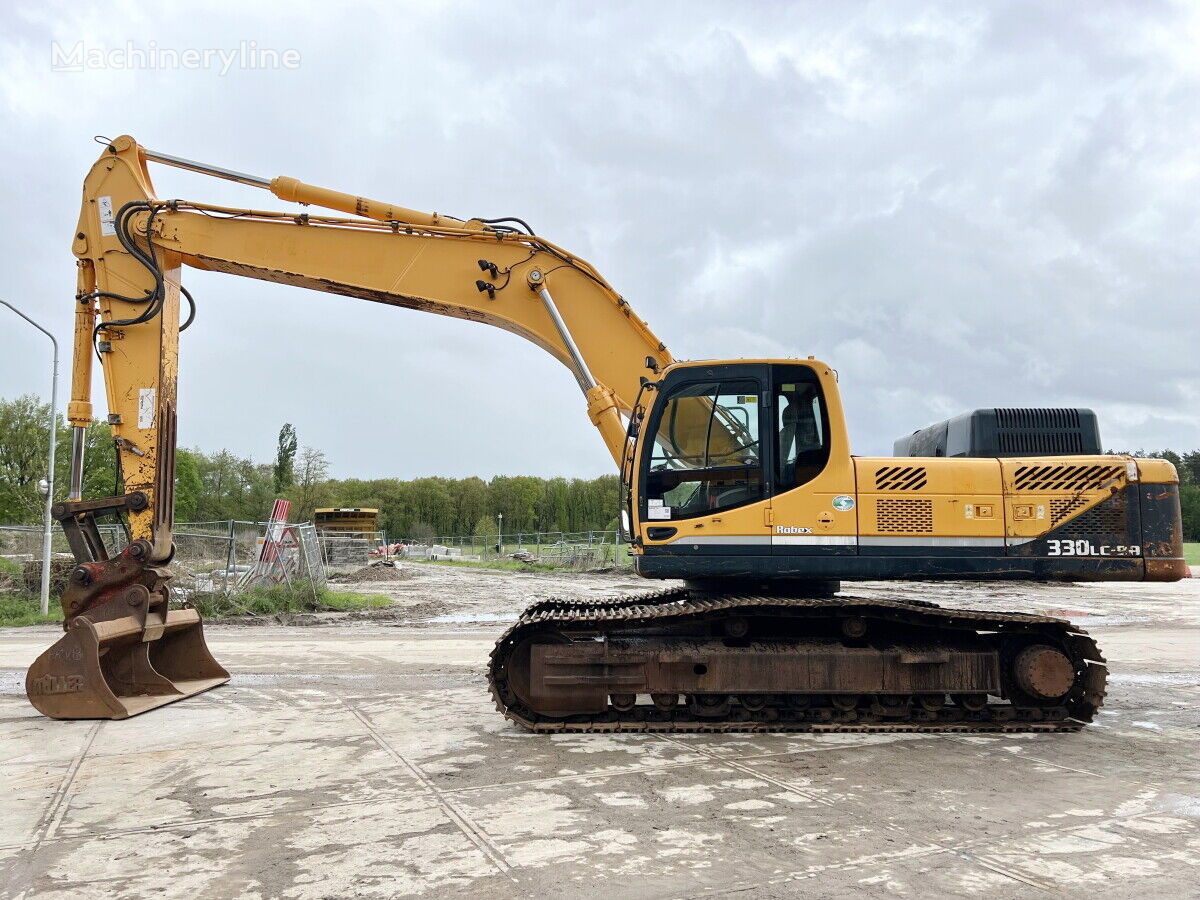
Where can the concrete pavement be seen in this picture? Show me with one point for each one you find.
(365, 759)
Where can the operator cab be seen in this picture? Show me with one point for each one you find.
(726, 435)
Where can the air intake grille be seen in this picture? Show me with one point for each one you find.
(1037, 418)
(1040, 443)
(900, 478)
(1065, 478)
(906, 516)
(1061, 510)
(1104, 519)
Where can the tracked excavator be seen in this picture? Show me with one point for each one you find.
(737, 478)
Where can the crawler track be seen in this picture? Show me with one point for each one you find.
(561, 620)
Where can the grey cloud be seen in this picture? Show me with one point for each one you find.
(955, 205)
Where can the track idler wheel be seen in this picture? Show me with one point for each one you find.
(1043, 672)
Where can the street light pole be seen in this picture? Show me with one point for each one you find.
(499, 534)
(47, 519)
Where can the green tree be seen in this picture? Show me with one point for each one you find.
(284, 471)
(187, 486)
(23, 452)
(516, 497)
(1189, 501)
(484, 533)
(99, 462)
(431, 502)
(24, 448)
(1189, 473)
(471, 501)
(312, 490)
(220, 486)
(554, 513)
(423, 533)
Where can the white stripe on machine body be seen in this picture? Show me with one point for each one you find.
(730, 539)
(931, 541)
(839, 540)
(814, 540)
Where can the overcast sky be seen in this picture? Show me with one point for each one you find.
(955, 205)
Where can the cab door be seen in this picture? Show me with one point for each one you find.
(705, 479)
(814, 510)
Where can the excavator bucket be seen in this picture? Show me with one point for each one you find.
(121, 667)
(125, 650)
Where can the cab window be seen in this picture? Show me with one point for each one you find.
(802, 427)
(707, 453)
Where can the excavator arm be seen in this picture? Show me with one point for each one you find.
(131, 248)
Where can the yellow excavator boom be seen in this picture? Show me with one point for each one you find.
(131, 247)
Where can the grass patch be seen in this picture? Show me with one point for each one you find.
(347, 600)
(1191, 553)
(297, 597)
(22, 608)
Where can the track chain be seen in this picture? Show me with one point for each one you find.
(680, 604)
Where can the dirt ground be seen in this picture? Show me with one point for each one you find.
(363, 757)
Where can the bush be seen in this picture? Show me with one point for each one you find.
(10, 575)
(60, 575)
(21, 607)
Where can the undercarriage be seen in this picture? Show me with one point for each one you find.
(687, 660)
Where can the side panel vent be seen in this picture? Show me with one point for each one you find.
(900, 478)
(1107, 519)
(1065, 478)
(1061, 510)
(907, 516)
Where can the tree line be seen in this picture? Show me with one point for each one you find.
(213, 486)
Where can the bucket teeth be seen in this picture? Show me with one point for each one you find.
(119, 667)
